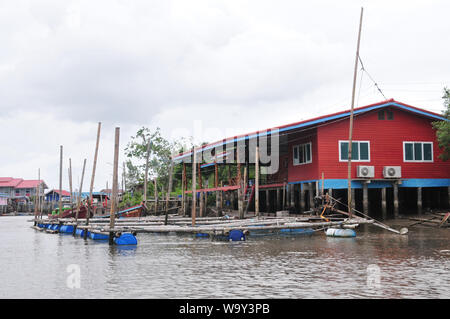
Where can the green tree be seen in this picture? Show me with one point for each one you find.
(443, 128)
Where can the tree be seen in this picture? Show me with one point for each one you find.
(443, 128)
(161, 150)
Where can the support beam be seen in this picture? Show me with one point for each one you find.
(60, 180)
(353, 198)
(183, 190)
(278, 199)
(169, 190)
(292, 196)
(283, 207)
(267, 201)
(88, 215)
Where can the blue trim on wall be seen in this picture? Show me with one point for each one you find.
(413, 182)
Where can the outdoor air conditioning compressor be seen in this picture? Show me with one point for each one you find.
(392, 171)
(365, 171)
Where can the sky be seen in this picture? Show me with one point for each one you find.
(201, 68)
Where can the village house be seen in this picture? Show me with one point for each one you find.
(17, 187)
(396, 167)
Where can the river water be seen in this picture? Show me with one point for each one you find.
(375, 264)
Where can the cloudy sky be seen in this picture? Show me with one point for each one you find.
(206, 67)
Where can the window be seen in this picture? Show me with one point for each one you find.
(389, 115)
(302, 154)
(417, 151)
(360, 151)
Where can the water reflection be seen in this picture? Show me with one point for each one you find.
(34, 265)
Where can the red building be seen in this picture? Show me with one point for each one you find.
(395, 159)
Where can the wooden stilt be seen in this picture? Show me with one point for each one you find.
(257, 181)
(60, 213)
(267, 201)
(79, 196)
(155, 191)
(70, 184)
(183, 190)
(383, 203)
(169, 190)
(114, 186)
(194, 186)
(284, 197)
(352, 192)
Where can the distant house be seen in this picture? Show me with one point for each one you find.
(53, 195)
(18, 187)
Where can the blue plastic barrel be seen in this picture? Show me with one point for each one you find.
(66, 229)
(79, 232)
(236, 235)
(126, 239)
(95, 236)
(203, 235)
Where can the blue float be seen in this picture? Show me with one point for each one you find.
(201, 235)
(54, 227)
(79, 232)
(236, 235)
(66, 229)
(126, 239)
(95, 236)
(297, 231)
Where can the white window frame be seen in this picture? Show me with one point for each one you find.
(416, 161)
(359, 160)
(298, 153)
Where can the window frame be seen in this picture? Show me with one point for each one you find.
(298, 153)
(359, 151)
(423, 153)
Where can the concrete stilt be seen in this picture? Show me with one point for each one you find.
(396, 205)
(365, 198)
(419, 200)
(302, 198)
(383, 203)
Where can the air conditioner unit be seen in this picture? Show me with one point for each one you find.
(365, 171)
(392, 171)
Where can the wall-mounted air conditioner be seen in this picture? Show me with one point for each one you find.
(365, 171)
(392, 171)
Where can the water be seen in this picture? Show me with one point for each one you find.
(35, 265)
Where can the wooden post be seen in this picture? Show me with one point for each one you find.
(60, 180)
(292, 196)
(383, 203)
(115, 187)
(257, 182)
(200, 186)
(243, 185)
(365, 198)
(419, 200)
(194, 186)
(302, 197)
(396, 206)
(36, 200)
(79, 198)
(284, 196)
(169, 190)
(267, 201)
(350, 131)
(70, 184)
(216, 185)
(147, 156)
(124, 178)
(322, 186)
(93, 178)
